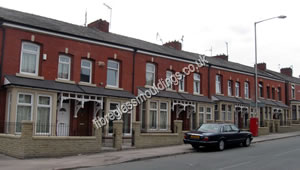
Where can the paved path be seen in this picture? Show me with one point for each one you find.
(108, 158)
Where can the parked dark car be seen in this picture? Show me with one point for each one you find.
(217, 135)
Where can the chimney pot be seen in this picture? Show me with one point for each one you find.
(100, 24)
(262, 66)
(222, 56)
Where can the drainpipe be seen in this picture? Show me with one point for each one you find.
(133, 71)
(208, 77)
(2, 52)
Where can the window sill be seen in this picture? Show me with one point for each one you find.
(185, 92)
(29, 76)
(113, 88)
(65, 81)
(220, 94)
(171, 90)
(147, 86)
(87, 84)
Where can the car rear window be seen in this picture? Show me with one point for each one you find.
(211, 128)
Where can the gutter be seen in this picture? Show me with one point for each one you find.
(2, 51)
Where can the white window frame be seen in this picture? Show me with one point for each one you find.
(208, 113)
(9, 96)
(142, 108)
(114, 69)
(118, 105)
(152, 72)
(23, 104)
(293, 91)
(218, 84)
(37, 54)
(168, 76)
(246, 90)
(229, 88)
(197, 82)
(181, 87)
(45, 106)
(157, 110)
(203, 113)
(229, 113)
(165, 110)
(90, 68)
(224, 112)
(260, 89)
(69, 63)
(237, 89)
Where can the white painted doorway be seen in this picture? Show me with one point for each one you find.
(63, 120)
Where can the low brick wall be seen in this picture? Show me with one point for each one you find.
(286, 129)
(11, 145)
(28, 146)
(263, 131)
(146, 140)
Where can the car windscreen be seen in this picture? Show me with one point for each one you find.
(211, 128)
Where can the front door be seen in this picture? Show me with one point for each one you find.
(63, 119)
(83, 120)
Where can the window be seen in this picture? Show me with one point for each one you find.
(150, 74)
(234, 128)
(279, 93)
(64, 65)
(217, 112)
(229, 114)
(224, 112)
(229, 85)
(246, 90)
(113, 73)
(268, 92)
(7, 130)
(181, 83)
(163, 120)
(226, 128)
(168, 76)
(112, 107)
(201, 115)
(143, 115)
(29, 58)
(293, 92)
(86, 71)
(237, 89)
(260, 89)
(273, 93)
(24, 109)
(218, 84)
(43, 115)
(153, 115)
(294, 112)
(208, 113)
(196, 83)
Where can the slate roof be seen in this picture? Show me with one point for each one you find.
(285, 77)
(179, 96)
(65, 28)
(65, 87)
(226, 99)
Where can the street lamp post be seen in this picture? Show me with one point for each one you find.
(256, 83)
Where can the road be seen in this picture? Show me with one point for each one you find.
(273, 155)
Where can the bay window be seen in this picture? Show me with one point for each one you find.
(208, 113)
(224, 112)
(24, 109)
(143, 115)
(43, 118)
(150, 74)
(197, 83)
(229, 114)
(64, 66)
(86, 71)
(113, 73)
(153, 115)
(29, 58)
(163, 115)
(201, 115)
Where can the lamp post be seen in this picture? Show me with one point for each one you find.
(256, 83)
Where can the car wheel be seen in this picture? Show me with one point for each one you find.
(195, 146)
(221, 145)
(247, 142)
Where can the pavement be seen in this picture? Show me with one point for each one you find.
(113, 157)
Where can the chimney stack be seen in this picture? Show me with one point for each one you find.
(100, 24)
(222, 56)
(262, 66)
(287, 71)
(174, 44)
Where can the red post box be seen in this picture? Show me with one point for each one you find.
(254, 126)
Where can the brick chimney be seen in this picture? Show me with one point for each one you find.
(173, 44)
(100, 24)
(222, 56)
(287, 71)
(262, 66)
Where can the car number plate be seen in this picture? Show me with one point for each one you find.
(195, 137)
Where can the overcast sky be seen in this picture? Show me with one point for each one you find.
(204, 24)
